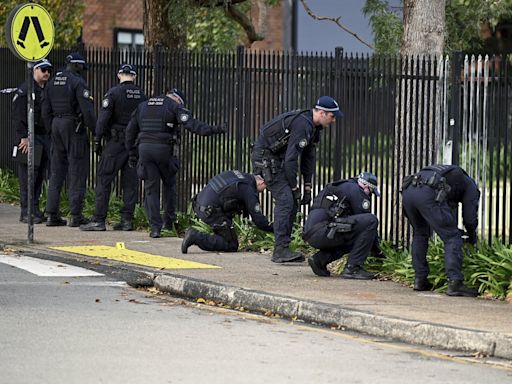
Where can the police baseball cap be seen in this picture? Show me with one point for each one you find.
(128, 69)
(44, 63)
(370, 180)
(328, 104)
(76, 58)
(177, 93)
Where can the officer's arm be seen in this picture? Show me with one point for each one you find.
(107, 107)
(132, 131)
(199, 128)
(46, 110)
(85, 101)
(252, 204)
(19, 105)
(470, 202)
(296, 144)
(308, 162)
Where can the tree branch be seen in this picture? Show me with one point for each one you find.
(245, 23)
(335, 20)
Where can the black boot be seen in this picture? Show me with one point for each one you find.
(55, 221)
(78, 220)
(93, 226)
(188, 240)
(283, 254)
(155, 232)
(123, 225)
(422, 284)
(319, 270)
(356, 272)
(457, 288)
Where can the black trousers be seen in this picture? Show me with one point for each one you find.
(114, 159)
(357, 242)
(40, 174)
(224, 238)
(425, 215)
(69, 154)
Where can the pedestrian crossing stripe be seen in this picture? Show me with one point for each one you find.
(120, 253)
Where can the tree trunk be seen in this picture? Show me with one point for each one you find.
(157, 27)
(422, 43)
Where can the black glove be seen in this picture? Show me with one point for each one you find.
(296, 195)
(97, 146)
(221, 129)
(472, 238)
(306, 199)
(132, 161)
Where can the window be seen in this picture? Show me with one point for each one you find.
(128, 38)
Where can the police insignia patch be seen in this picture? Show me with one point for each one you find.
(184, 117)
(105, 103)
(366, 204)
(86, 93)
(303, 143)
(257, 208)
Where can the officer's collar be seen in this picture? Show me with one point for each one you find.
(127, 82)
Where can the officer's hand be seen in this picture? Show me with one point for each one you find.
(472, 238)
(132, 161)
(296, 194)
(97, 147)
(306, 199)
(221, 129)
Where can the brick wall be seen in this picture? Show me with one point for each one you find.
(102, 17)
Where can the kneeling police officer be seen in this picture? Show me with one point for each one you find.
(339, 222)
(226, 195)
(430, 200)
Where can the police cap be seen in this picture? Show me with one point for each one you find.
(76, 58)
(44, 63)
(128, 69)
(370, 180)
(328, 104)
(177, 93)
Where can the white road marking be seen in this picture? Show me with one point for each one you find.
(42, 267)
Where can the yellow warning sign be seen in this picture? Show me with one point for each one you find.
(30, 32)
(120, 253)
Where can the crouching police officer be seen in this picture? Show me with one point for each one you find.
(67, 107)
(339, 222)
(116, 109)
(154, 134)
(275, 156)
(226, 195)
(430, 200)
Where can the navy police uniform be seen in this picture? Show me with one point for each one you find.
(41, 139)
(430, 200)
(67, 109)
(117, 107)
(276, 153)
(340, 221)
(154, 134)
(227, 194)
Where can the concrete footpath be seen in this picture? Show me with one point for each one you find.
(250, 280)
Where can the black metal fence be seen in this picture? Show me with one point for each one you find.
(399, 115)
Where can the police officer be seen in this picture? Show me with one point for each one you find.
(282, 142)
(41, 74)
(430, 200)
(340, 221)
(67, 109)
(154, 135)
(225, 195)
(116, 109)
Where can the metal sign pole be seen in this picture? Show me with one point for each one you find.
(30, 155)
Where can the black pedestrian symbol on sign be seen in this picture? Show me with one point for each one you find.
(24, 29)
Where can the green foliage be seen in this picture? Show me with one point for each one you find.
(67, 19)
(386, 25)
(9, 187)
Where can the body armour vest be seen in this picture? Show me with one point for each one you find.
(277, 132)
(328, 198)
(152, 119)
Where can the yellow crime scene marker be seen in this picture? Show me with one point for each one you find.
(30, 32)
(120, 253)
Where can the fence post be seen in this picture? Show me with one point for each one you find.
(338, 90)
(239, 110)
(455, 105)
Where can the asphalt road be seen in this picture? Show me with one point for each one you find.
(96, 329)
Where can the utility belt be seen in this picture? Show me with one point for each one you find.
(209, 210)
(436, 182)
(117, 135)
(340, 225)
(267, 167)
